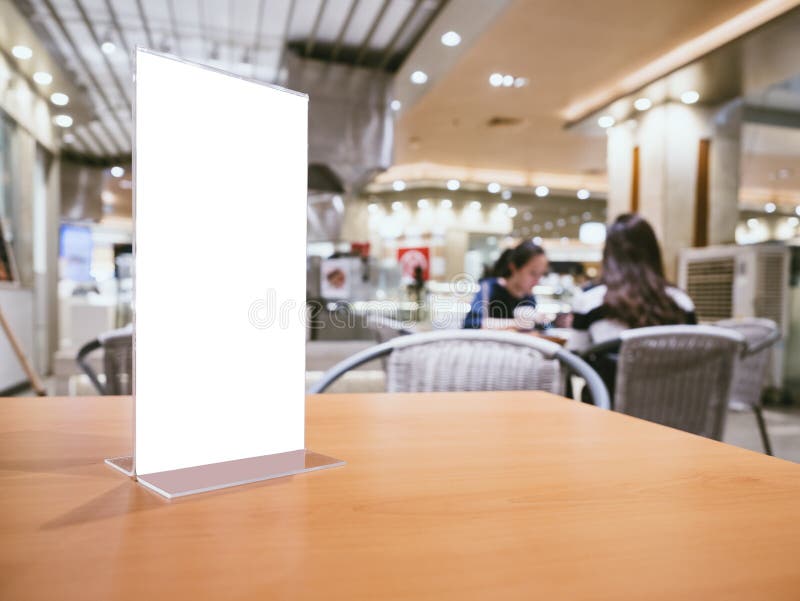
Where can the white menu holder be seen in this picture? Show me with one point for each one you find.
(220, 167)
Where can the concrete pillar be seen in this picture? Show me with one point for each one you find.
(688, 174)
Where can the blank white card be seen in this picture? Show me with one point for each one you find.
(220, 166)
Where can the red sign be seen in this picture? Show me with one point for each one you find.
(411, 258)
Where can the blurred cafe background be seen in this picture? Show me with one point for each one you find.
(441, 133)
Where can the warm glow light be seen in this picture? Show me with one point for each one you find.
(793, 221)
(520, 82)
(451, 38)
(398, 185)
(770, 207)
(606, 121)
(506, 195)
(496, 79)
(117, 171)
(446, 203)
(423, 203)
(512, 212)
(502, 207)
(419, 77)
(508, 81)
(396, 105)
(690, 97)
(59, 99)
(752, 222)
(493, 188)
(542, 191)
(22, 52)
(62, 120)
(453, 184)
(642, 104)
(475, 205)
(373, 208)
(68, 138)
(583, 194)
(797, 210)
(43, 78)
(397, 205)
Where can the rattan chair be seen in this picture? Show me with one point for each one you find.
(678, 376)
(462, 360)
(117, 348)
(385, 328)
(751, 371)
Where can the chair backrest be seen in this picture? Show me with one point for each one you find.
(117, 348)
(460, 360)
(751, 371)
(678, 376)
(385, 328)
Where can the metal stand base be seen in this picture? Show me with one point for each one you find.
(204, 478)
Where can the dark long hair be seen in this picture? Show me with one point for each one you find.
(519, 255)
(634, 275)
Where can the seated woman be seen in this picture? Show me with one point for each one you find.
(515, 274)
(633, 292)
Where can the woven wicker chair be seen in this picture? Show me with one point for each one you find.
(751, 370)
(462, 360)
(386, 328)
(678, 376)
(117, 348)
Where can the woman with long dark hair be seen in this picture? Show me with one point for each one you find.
(633, 293)
(510, 286)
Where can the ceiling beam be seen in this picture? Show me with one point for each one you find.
(312, 37)
(173, 23)
(365, 44)
(769, 116)
(387, 53)
(145, 24)
(337, 46)
(92, 79)
(286, 27)
(128, 49)
(122, 92)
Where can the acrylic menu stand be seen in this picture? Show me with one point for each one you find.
(220, 167)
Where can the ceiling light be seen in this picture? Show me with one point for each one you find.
(690, 97)
(43, 78)
(496, 79)
(793, 221)
(373, 208)
(62, 120)
(446, 203)
(561, 222)
(751, 223)
(397, 205)
(642, 104)
(451, 38)
(770, 207)
(107, 197)
(606, 121)
(108, 47)
(475, 205)
(797, 210)
(423, 203)
(396, 105)
(22, 52)
(537, 240)
(68, 138)
(527, 215)
(59, 99)
(398, 185)
(583, 194)
(520, 82)
(453, 184)
(542, 191)
(419, 77)
(493, 188)
(512, 212)
(506, 194)
(592, 232)
(548, 225)
(502, 207)
(508, 81)
(117, 171)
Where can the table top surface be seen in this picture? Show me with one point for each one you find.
(514, 495)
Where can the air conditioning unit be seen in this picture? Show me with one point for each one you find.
(740, 281)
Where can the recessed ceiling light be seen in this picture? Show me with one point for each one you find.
(451, 38)
(506, 195)
(62, 120)
(446, 203)
(583, 194)
(117, 171)
(520, 82)
(512, 212)
(793, 221)
(397, 205)
(59, 99)
(68, 138)
(502, 207)
(561, 222)
(108, 47)
(43, 78)
(419, 77)
(527, 215)
(542, 191)
(423, 203)
(642, 104)
(496, 79)
(751, 223)
(373, 208)
(508, 81)
(770, 207)
(797, 210)
(22, 52)
(398, 185)
(475, 205)
(396, 105)
(690, 97)
(606, 121)
(493, 188)
(453, 184)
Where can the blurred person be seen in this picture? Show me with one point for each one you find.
(510, 286)
(632, 293)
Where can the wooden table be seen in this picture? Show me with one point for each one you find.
(445, 496)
